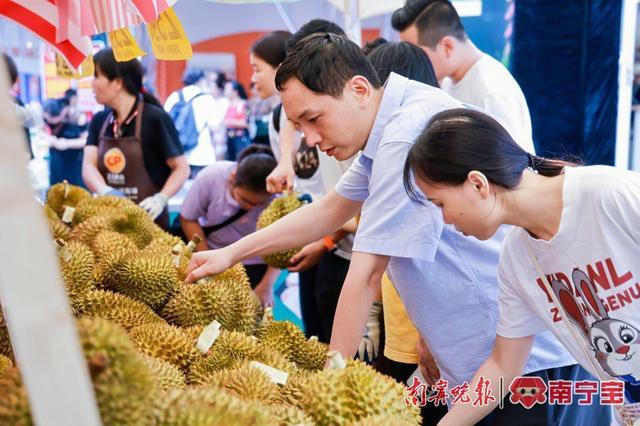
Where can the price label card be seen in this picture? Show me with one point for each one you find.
(124, 45)
(168, 39)
(63, 70)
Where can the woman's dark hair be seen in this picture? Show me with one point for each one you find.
(460, 140)
(370, 46)
(238, 88)
(131, 73)
(271, 47)
(405, 59)
(255, 163)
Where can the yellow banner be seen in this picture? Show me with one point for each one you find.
(63, 70)
(86, 67)
(124, 45)
(168, 39)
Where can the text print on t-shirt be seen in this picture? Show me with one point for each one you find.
(615, 343)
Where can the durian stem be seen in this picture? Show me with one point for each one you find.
(66, 188)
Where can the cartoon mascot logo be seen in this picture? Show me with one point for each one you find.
(528, 391)
(114, 160)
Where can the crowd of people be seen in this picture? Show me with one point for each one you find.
(437, 239)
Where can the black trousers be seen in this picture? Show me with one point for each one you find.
(308, 306)
(332, 271)
(255, 273)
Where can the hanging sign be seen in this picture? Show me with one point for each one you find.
(124, 45)
(168, 39)
(63, 70)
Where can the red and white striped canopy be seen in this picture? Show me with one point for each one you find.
(67, 24)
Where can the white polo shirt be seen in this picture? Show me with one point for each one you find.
(447, 281)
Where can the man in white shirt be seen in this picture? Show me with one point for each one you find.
(464, 71)
(208, 116)
(333, 95)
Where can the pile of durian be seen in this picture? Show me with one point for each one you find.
(163, 352)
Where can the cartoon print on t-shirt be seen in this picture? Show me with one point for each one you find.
(616, 344)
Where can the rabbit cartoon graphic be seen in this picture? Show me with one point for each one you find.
(616, 344)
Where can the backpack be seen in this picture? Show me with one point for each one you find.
(306, 160)
(184, 119)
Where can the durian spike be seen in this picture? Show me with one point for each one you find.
(336, 361)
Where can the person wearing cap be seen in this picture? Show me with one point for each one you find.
(207, 116)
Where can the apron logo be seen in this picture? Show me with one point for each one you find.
(114, 160)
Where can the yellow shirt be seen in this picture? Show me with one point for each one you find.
(401, 337)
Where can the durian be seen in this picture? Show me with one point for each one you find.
(382, 420)
(99, 206)
(311, 355)
(62, 195)
(168, 375)
(5, 340)
(86, 231)
(115, 307)
(292, 416)
(165, 342)
(246, 382)
(108, 242)
(134, 222)
(283, 335)
(146, 278)
(228, 302)
(77, 262)
(58, 229)
(124, 387)
(5, 364)
(279, 208)
(344, 395)
(236, 273)
(14, 405)
(209, 406)
(228, 351)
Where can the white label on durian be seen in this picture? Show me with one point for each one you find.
(276, 376)
(67, 216)
(65, 253)
(208, 337)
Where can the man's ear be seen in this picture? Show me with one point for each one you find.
(360, 87)
(448, 45)
(479, 182)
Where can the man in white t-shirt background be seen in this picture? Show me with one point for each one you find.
(463, 70)
(208, 115)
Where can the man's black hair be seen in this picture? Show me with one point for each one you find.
(439, 19)
(324, 63)
(312, 27)
(405, 16)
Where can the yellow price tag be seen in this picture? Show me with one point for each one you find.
(63, 70)
(124, 45)
(168, 39)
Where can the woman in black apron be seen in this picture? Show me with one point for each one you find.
(133, 149)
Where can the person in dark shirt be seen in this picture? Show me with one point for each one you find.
(133, 148)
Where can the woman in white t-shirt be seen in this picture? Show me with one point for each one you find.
(569, 264)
